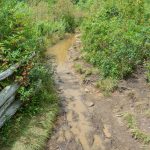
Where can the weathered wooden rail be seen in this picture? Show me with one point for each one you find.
(8, 104)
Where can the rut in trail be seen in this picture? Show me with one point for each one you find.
(86, 119)
(76, 131)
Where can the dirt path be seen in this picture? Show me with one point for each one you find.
(88, 120)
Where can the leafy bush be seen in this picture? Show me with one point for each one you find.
(40, 87)
(84, 4)
(116, 37)
(19, 36)
(64, 11)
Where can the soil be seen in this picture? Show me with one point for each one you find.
(88, 120)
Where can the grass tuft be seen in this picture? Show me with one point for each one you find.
(135, 131)
(147, 113)
(107, 85)
(79, 68)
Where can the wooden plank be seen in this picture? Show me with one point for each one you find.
(8, 92)
(14, 67)
(9, 72)
(6, 105)
(10, 112)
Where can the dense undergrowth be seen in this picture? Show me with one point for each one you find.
(116, 37)
(32, 124)
(19, 36)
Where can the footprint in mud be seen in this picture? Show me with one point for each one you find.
(82, 128)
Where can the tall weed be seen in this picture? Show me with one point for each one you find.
(116, 37)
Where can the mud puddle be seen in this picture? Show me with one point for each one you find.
(75, 129)
(60, 50)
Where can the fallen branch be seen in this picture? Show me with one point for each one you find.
(9, 71)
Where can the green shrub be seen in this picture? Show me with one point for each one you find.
(85, 4)
(64, 11)
(107, 85)
(40, 87)
(117, 39)
(19, 36)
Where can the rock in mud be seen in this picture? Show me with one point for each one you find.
(68, 72)
(89, 104)
(60, 81)
(76, 58)
(87, 90)
(106, 131)
(78, 36)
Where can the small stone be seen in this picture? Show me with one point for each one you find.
(119, 115)
(89, 103)
(68, 72)
(107, 132)
(78, 36)
(60, 89)
(75, 59)
(87, 90)
(60, 81)
(59, 92)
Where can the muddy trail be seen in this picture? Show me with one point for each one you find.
(88, 120)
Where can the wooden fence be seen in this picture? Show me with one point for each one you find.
(8, 104)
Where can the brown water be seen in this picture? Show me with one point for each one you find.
(60, 50)
(79, 126)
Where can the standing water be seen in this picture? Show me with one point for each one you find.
(60, 50)
(76, 130)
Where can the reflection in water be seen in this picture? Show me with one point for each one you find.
(60, 50)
